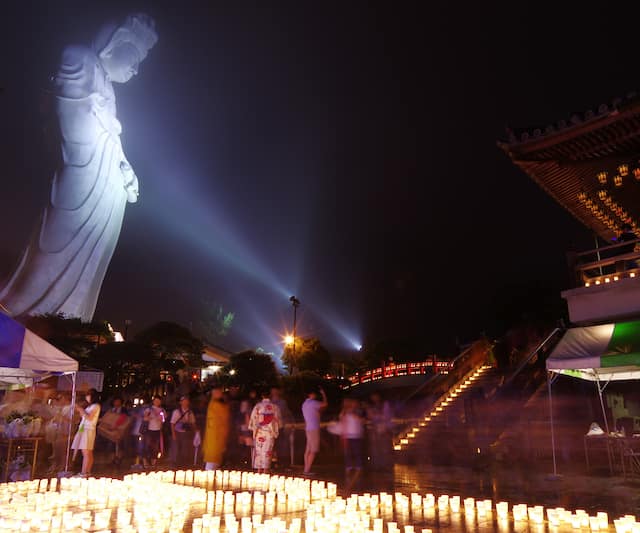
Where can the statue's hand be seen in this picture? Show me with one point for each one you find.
(132, 191)
(130, 182)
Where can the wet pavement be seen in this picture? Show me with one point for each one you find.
(532, 484)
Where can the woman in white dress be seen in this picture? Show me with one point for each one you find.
(86, 434)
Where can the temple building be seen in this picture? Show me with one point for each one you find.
(590, 165)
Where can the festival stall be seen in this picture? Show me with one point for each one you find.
(26, 359)
(601, 354)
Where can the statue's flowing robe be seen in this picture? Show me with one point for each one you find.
(63, 266)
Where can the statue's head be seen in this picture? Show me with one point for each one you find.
(122, 48)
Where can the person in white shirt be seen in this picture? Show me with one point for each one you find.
(311, 409)
(154, 418)
(86, 435)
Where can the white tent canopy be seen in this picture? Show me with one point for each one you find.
(26, 358)
(601, 354)
(608, 352)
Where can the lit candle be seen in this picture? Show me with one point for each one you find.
(502, 508)
(469, 506)
(575, 521)
(603, 520)
(454, 504)
(443, 502)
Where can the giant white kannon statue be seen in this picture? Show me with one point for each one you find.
(63, 266)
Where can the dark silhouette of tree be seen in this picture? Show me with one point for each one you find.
(172, 342)
(74, 337)
(310, 356)
(126, 364)
(250, 369)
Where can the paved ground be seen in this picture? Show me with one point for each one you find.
(613, 494)
(533, 485)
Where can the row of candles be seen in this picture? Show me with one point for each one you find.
(244, 502)
(405, 439)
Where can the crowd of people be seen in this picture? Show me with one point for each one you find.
(220, 427)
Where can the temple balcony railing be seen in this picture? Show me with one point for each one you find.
(606, 284)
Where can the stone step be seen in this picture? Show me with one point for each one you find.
(449, 415)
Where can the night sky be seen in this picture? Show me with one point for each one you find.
(336, 151)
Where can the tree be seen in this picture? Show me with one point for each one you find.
(215, 322)
(126, 364)
(310, 356)
(250, 369)
(74, 337)
(297, 386)
(170, 342)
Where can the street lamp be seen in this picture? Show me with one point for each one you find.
(295, 303)
(127, 323)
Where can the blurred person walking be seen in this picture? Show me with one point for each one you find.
(216, 432)
(61, 422)
(380, 418)
(311, 409)
(352, 426)
(283, 446)
(246, 436)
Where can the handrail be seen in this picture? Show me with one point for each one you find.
(589, 271)
(392, 370)
(526, 361)
(410, 420)
(452, 368)
(608, 261)
(608, 247)
(457, 365)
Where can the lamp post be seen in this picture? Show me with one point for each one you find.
(127, 323)
(295, 303)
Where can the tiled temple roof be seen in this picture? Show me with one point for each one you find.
(566, 159)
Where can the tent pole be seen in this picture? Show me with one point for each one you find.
(606, 422)
(595, 238)
(553, 436)
(604, 412)
(73, 410)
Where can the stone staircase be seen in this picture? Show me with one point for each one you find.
(455, 429)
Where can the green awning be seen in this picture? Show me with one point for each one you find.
(605, 352)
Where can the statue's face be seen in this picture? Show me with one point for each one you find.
(121, 63)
